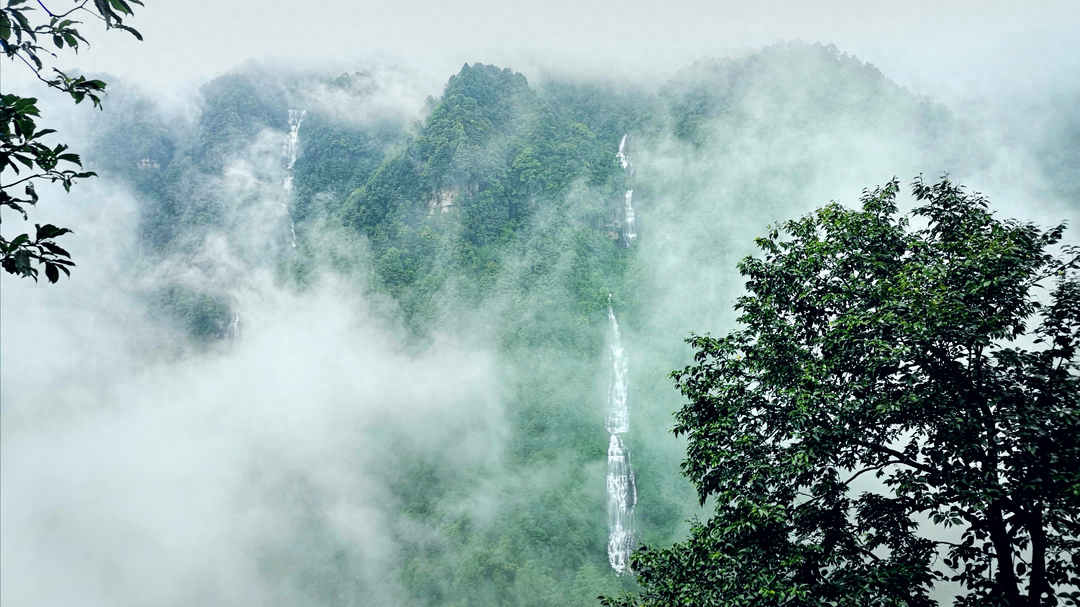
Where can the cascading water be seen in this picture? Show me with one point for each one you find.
(629, 219)
(291, 147)
(622, 158)
(621, 487)
(233, 332)
(630, 222)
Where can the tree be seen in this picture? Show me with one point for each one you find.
(898, 409)
(28, 37)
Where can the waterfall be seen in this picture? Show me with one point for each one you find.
(291, 147)
(233, 332)
(621, 487)
(629, 232)
(622, 158)
(630, 223)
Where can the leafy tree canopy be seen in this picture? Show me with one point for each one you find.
(30, 34)
(899, 410)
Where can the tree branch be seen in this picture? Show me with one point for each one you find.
(902, 459)
(15, 183)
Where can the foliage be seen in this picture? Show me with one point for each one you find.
(520, 257)
(337, 158)
(799, 87)
(608, 112)
(489, 183)
(871, 349)
(237, 106)
(20, 145)
(25, 40)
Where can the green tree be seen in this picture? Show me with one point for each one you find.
(899, 409)
(30, 34)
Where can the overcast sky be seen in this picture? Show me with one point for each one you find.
(925, 45)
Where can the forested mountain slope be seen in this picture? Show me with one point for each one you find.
(499, 217)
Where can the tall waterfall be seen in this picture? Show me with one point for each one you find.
(291, 147)
(621, 487)
(629, 219)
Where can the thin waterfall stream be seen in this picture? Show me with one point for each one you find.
(629, 231)
(232, 333)
(291, 148)
(621, 486)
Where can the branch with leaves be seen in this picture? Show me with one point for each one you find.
(30, 34)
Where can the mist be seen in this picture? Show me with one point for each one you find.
(140, 468)
(385, 384)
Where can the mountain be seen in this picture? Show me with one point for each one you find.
(533, 223)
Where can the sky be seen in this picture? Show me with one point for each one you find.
(952, 48)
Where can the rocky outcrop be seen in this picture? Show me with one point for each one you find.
(442, 200)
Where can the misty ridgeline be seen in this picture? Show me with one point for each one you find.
(332, 343)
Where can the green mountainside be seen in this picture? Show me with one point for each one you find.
(499, 217)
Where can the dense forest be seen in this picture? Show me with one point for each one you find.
(499, 218)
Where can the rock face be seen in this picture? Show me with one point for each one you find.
(442, 200)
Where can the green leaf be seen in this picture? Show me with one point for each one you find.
(121, 6)
(55, 249)
(24, 23)
(131, 30)
(50, 231)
